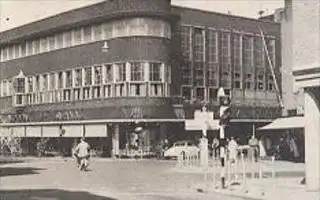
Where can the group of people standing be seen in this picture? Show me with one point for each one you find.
(255, 149)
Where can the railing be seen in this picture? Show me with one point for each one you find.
(236, 172)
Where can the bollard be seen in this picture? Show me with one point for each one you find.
(244, 173)
(272, 163)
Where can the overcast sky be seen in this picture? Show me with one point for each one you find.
(18, 12)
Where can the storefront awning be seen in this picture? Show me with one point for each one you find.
(285, 123)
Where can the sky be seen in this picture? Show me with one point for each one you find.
(18, 12)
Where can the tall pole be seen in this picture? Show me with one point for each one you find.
(222, 156)
(224, 120)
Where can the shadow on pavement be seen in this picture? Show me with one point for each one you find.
(48, 195)
(4, 161)
(18, 171)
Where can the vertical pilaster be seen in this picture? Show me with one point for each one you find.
(312, 138)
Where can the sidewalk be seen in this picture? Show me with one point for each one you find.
(284, 186)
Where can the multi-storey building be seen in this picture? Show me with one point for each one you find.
(101, 70)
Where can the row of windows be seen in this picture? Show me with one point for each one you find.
(200, 93)
(116, 73)
(88, 34)
(94, 92)
(216, 48)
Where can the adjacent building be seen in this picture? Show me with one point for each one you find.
(100, 71)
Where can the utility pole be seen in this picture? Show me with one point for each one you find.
(224, 115)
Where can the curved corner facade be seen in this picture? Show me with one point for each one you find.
(102, 70)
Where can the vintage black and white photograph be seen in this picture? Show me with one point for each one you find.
(160, 99)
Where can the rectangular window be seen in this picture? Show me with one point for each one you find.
(119, 90)
(212, 94)
(52, 43)
(44, 45)
(45, 82)
(137, 71)
(185, 42)
(67, 39)
(52, 81)
(186, 93)
(155, 72)
(120, 28)
(247, 52)
(198, 45)
(77, 36)
(68, 79)
(23, 49)
(107, 28)
(121, 72)
(237, 52)
(97, 31)
(258, 52)
(156, 89)
(212, 46)
(30, 48)
(97, 75)
(37, 83)
(87, 76)
(109, 74)
(60, 80)
(137, 89)
(5, 53)
(96, 92)
(11, 52)
(86, 93)
(30, 84)
(77, 94)
(5, 88)
(87, 34)
(36, 44)
(17, 51)
(67, 95)
(154, 27)
(78, 77)
(59, 41)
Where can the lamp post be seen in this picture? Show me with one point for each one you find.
(204, 157)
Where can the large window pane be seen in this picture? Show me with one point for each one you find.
(109, 74)
(97, 31)
(59, 40)
(60, 80)
(68, 79)
(108, 28)
(52, 43)
(87, 34)
(78, 77)
(97, 75)
(137, 71)
(77, 36)
(121, 72)
(155, 72)
(30, 84)
(87, 76)
(67, 39)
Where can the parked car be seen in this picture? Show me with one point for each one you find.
(186, 147)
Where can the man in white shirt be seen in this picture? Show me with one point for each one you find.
(82, 151)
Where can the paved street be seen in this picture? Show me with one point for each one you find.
(57, 179)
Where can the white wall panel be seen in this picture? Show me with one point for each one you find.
(50, 131)
(73, 130)
(96, 130)
(33, 131)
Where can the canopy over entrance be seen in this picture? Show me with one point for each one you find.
(285, 123)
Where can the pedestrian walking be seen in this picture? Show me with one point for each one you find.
(82, 153)
(215, 148)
